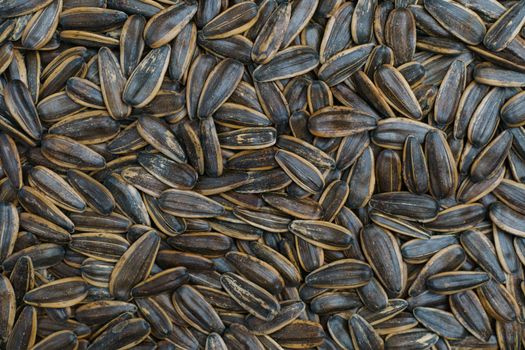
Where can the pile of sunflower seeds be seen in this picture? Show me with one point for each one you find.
(275, 174)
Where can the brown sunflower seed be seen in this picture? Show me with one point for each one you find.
(68, 153)
(85, 93)
(8, 307)
(248, 138)
(95, 195)
(143, 7)
(301, 171)
(92, 19)
(323, 234)
(8, 230)
(22, 109)
(494, 76)
(272, 34)
(235, 20)
(257, 271)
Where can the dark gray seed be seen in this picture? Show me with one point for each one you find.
(507, 219)
(364, 336)
(20, 7)
(406, 205)
(400, 34)
(362, 21)
(340, 122)
(22, 109)
(470, 99)
(271, 35)
(112, 83)
(196, 310)
(23, 334)
(235, 20)
(165, 25)
(336, 34)
(468, 310)
(453, 282)
(397, 91)
(344, 273)
(440, 322)
(491, 158)
(134, 265)
(449, 93)
(505, 29)
(344, 64)
(382, 252)
(145, 81)
(453, 16)
(189, 204)
(482, 251)
(412, 339)
(288, 63)
(420, 250)
(131, 43)
(446, 259)
(123, 334)
(254, 299)
(494, 76)
(41, 27)
(498, 302)
(457, 218)
(219, 86)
